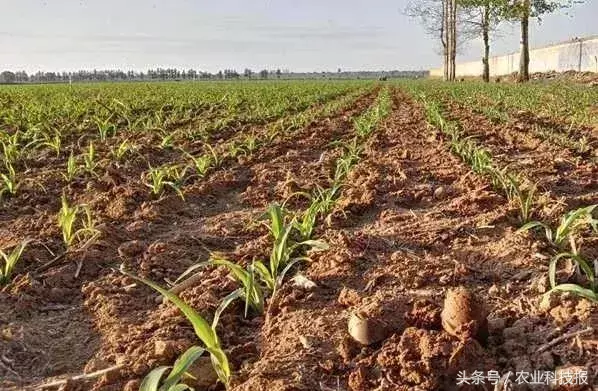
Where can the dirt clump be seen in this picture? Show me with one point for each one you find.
(464, 315)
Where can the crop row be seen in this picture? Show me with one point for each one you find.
(55, 117)
(562, 238)
(292, 241)
(560, 114)
(149, 106)
(21, 149)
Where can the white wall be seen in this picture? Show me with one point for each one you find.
(580, 55)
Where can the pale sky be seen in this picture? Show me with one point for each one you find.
(300, 35)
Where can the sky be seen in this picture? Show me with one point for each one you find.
(300, 35)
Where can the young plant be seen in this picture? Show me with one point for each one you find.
(321, 203)
(54, 143)
(349, 158)
(524, 195)
(120, 151)
(167, 141)
(89, 159)
(251, 291)
(235, 149)
(589, 293)
(569, 225)
(9, 182)
(204, 331)
(153, 381)
(285, 252)
(583, 145)
(250, 144)
(204, 162)
(105, 128)
(11, 148)
(9, 261)
(164, 176)
(68, 222)
(72, 168)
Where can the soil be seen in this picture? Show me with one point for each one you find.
(411, 223)
(567, 180)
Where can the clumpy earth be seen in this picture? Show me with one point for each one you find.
(411, 224)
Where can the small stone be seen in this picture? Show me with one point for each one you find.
(366, 331)
(132, 385)
(306, 341)
(165, 349)
(303, 282)
(440, 193)
(131, 249)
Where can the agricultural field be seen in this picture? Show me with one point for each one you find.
(306, 235)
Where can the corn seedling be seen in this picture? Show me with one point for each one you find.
(204, 331)
(9, 182)
(321, 202)
(173, 382)
(589, 293)
(11, 149)
(72, 168)
(364, 125)
(9, 261)
(349, 158)
(250, 144)
(306, 223)
(251, 291)
(522, 194)
(89, 159)
(121, 150)
(583, 145)
(105, 128)
(54, 143)
(167, 140)
(569, 225)
(235, 150)
(204, 162)
(68, 221)
(164, 176)
(284, 254)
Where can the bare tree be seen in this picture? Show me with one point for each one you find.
(483, 17)
(443, 21)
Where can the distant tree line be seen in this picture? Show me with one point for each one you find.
(173, 74)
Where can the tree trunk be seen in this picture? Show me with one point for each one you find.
(450, 27)
(454, 39)
(444, 37)
(486, 36)
(524, 60)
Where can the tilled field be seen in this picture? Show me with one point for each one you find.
(423, 275)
